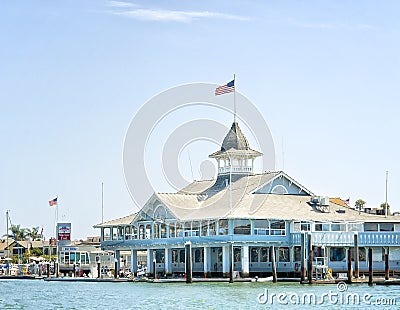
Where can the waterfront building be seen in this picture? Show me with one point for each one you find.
(237, 217)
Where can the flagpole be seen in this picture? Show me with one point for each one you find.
(102, 202)
(234, 98)
(386, 195)
(230, 184)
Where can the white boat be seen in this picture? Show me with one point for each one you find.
(267, 279)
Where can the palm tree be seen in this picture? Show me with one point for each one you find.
(384, 206)
(359, 204)
(33, 233)
(18, 233)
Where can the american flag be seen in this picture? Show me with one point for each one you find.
(53, 202)
(224, 89)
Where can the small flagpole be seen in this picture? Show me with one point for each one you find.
(102, 202)
(230, 184)
(234, 98)
(386, 195)
(57, 211)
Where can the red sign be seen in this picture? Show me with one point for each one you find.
(64, 231)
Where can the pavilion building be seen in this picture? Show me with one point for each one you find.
(239, 216)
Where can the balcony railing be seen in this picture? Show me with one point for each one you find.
(347, 238)
(379, 238)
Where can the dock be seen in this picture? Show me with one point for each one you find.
(82, 279)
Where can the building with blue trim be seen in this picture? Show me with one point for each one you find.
(239, 216)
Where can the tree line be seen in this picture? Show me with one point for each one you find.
(19, 233)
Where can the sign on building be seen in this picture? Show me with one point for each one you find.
(64, 231)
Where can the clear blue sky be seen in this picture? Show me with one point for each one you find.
(325, 75)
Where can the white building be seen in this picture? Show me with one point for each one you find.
(250, 212)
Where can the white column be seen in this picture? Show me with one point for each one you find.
(207, 262)
(225, 261)
(134, 261)
(245, 261)
(167, 261)
(149, 260)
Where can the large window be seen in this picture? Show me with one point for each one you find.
(106, 234)
(354, 227)
(277, 228)
(362, 254)
(198, 255)
(322, 227)
(148, 231)
(284, 254)
(204, 228)
(370, 226)
(175, 257)
(120, 232)
(254, 253)
(242, 227)
(223, 227)
(264, 255)
(261, 227)
(237, 254)
(182, 256)
(301, 226)
(211, 228)
(338, 227)
(134, 232)
(297, 253)
(128, 232)
(337, 254)
(179, 230)
(386, 227)
(156, 231)
(141, 231)
(172, 230)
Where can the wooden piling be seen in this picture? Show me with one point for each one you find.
(349, 266)
(98, 270)
(273, 260)
(188, 262)
(356, 257)
(48, 270)
(115, 268)
(310, 260)
(387, 264)
(370, 268)
(303, 258)
(231, 267)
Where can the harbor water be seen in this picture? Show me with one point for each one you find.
(38, 294)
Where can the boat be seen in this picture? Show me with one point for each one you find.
(267, 279)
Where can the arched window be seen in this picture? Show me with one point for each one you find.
(279, 189)
(197, 256)
(148, 231)
(172, 230)
(141, 231)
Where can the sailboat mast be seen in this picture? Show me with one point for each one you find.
(8, 250)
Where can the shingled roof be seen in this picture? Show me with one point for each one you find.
(235, 140)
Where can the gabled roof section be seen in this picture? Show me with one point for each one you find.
(267, 187)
